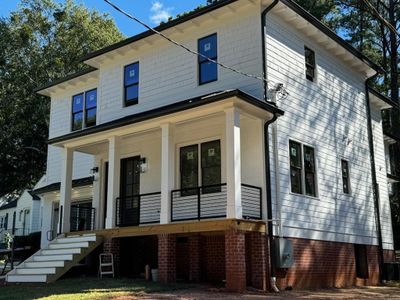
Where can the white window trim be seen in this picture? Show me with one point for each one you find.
(315, 81)
(349, 176)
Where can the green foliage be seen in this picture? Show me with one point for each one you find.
(41, 41)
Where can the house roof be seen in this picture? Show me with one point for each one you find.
(199, 12)
(169, 109)
(56, 186)
(9, 205)
(384, 98)
(34, 196)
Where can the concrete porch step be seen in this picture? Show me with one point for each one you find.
(61, 251)
(45, 264)
(35, 271)
(26, 278)
(64, 257)
(69, 245)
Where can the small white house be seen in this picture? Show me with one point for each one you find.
(169, 159)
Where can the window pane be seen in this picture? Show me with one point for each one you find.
(131, 75)
(295, 179)
(211, 166)
(310, 184)
(295, 154)
(208, 72)
(309, 162)
(77, 121)
(208, 47)
(310, 57)
(77, 103)
(132, 93)
(345, 177)
(91, 99)
(189, 161)
(91, 117)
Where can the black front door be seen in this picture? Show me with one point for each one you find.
(130, 190)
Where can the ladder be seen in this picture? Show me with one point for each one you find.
(106, 266)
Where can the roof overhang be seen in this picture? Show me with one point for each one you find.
(380, 101)
(54, 187)
(177, 112)
(393, 178)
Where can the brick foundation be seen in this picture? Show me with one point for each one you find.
(113, 246)
(257, 260)
(166, 258)
(235, 261)
(194, 258)
(212, 260)
(389, 255)
(326, 264)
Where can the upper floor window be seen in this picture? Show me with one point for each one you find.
(345, 176)
(208, 70)
(310, 63)
(302, 169)
(131, 84)
(84, 108)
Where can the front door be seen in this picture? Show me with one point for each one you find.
(129, 210)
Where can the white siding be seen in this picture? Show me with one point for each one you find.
(329, 115)
(380, 165)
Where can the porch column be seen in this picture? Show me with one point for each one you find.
(114, 167)
(96, 202)
(233, 165)
(65, 190)
(167, 170)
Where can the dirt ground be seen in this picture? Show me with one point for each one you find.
(210, 293)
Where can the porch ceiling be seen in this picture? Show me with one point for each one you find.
(94, 140)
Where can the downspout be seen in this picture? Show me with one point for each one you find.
(375, 186)
(267, 154)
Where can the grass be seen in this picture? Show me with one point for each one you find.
(85, 288)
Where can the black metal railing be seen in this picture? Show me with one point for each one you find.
(251, 201)
(138, 209)
(203, 202)
(207, 202)
(82, 218)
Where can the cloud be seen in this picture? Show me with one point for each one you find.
(159, 13)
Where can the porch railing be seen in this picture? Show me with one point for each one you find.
(82, 218)
(138, 209)
(206, 202)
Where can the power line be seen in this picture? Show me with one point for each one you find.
(382, 19)
(183, 46)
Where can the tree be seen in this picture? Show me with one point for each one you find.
(40, 42)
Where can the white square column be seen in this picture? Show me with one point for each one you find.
(167, 170)
(97, 185)
(114, 173)
(65, 190)
(233, 164)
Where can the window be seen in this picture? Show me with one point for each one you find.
(345, 176)
(310, 63)
(5, 226)
(360, 253)
(131, 84)
(84, 108)
(302, 169)
(208, 70)
(209, 161)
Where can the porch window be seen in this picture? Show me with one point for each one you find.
(209, 161)
(131, 84)
(84, 109)
(208, 70)
(302, 169)
(310, 63)
(345, 176)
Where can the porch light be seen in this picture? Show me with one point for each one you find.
(95, 173)
(143, 165)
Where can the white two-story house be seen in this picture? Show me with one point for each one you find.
(170, 160)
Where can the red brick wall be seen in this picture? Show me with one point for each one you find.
(112, 246)
(166, 258)
(257, 260)
(212, 260)
(235, 260)
(194, 257)
(389, 255)
(326, 264)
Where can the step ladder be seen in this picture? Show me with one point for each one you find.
(106, 266)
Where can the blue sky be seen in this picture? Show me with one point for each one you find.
(150, 11)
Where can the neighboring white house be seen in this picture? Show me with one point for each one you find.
(155, 142)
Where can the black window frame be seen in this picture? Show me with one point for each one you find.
(84, 111)
(345, 176)
(200, 61)
(301, 167)
(310, 66)
(133, 101)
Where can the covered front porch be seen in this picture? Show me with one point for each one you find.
(200, 159)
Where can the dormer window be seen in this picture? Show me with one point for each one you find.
(131, 84)
(208, 70)
(310, 63)
(84, 108)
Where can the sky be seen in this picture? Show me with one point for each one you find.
(149, 11)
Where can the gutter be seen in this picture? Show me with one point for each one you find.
(267, 154)
(375, 185)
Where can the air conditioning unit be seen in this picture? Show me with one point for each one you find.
(283, 253)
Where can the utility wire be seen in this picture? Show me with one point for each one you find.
(382, 19)
(183, 46)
